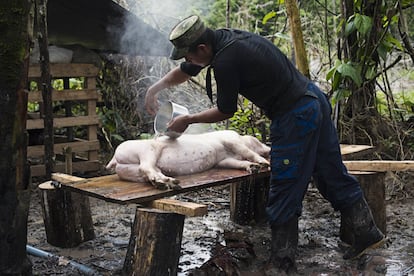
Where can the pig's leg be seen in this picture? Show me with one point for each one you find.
(130, 172)
(148, 167)
(135, 173)
(246, 153)
(233, 163)
(160, 180)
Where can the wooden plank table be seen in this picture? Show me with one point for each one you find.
(111, 188)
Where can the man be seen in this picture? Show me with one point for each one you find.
(304, 140)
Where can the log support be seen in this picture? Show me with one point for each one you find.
(155, 243)
(248, 201)
(66, 216)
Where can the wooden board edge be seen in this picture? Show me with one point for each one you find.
(190, 209)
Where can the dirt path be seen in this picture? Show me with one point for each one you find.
(318, 254)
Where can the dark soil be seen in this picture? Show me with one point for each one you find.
(319, 251)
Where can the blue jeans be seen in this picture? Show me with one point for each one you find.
(304, 145)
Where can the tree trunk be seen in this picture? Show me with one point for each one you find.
(297, 37)
(14, 177)
(46, 88)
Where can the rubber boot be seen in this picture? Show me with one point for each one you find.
(284, 245)
(366, 234)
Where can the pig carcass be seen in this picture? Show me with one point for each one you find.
(159, 159)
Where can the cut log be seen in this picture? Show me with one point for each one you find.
(66, 215)
(248, 201)
(373, 186)
(155, 243)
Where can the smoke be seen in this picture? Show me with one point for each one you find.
(160, 17)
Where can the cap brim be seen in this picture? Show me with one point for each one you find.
(178, 53)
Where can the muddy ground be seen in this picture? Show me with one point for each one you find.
(319, 252)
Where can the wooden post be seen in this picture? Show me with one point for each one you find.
(66, 215)
(155, 243)
(248, 201)
(373, 186)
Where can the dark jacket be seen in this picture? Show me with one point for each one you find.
(251, 65)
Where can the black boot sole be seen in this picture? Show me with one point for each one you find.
(372, 246)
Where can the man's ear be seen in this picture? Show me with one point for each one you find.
(203, 47)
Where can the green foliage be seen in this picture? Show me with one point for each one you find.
(362, 23)
(247, 121)
(342, 71)
(248, 15)
(350, 70)
(58, 84)
(404, 105)
(111, 121)
(364, 64)
(361, 65)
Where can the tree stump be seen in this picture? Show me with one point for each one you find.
(373, 186)
(155, 243)
(66, 215)
(248, 201)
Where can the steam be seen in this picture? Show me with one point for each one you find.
(160, 17)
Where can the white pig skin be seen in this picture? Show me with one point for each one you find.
(159, 159)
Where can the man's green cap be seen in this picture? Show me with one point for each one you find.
(184, 34)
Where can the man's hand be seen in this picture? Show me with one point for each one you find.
(179, 124)
(172, 78)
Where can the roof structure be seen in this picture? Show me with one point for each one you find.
(105, 26)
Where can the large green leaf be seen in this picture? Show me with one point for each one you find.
(349, 27)
(363, 23)
(348, 70)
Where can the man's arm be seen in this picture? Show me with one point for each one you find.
(172, 78)
(212, 115)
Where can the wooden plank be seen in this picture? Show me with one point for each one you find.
(65, 122)
(348, 151)
(79, 146)
(66, 95)
(111, 188)
(60, 70)
(65, 178)
(190, 209)
(170, 205)
(379, 165)
(79, 166)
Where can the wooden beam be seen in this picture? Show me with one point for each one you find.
(184, 208)
(60, 70)
(59, 122)
(78, 166)
(379, 165)
(352, 152)
(79, 146)
(66, 95)
(171, 205)
(65, 178)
